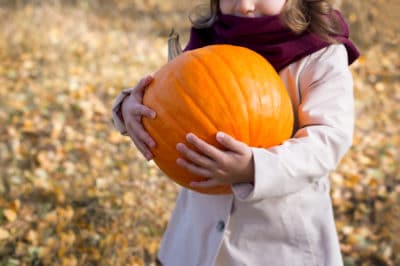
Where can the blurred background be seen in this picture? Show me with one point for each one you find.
(73, 191)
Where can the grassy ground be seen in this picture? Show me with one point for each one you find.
(75, 192)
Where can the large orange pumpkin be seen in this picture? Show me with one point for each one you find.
(215, 88)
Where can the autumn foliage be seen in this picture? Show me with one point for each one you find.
(73, 191)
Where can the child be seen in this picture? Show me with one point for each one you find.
(280, 212)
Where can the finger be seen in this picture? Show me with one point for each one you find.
(142, 85)
(142, 143)
(195, 169)
(137, 130)
(142, 110)
(194, 157)
(136, 109)
(230, 143)
(205, 184)
(142, 148)
(207, 149)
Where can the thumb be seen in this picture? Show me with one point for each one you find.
(142, 85)
(229, 142)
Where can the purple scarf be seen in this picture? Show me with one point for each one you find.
(268, 37)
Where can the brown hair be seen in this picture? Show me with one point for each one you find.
(315, 16)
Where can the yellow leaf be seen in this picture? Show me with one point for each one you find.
(365, 160)
(362, 60)
(152, 246)
(353, 17)
(29, 126)
(4, 234)
(65, 214)
(11, 215)
(352, 239)
(57, 126)
(61, 251)
(352, 180)
(45, 252)
(102, 182)
(115, 137)
(45, 159)
(347, 230)
(69, 261)
(15, 205)
(380, 86)
(33, 237)
(373, 183)
(136, 261)
(51, 217)
(67, 238)
(129, 198)
(60, 194)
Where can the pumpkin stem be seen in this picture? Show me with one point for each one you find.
(174, 47)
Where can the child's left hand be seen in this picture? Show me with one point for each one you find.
(230, 166)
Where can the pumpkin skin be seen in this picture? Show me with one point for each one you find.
(215, 88)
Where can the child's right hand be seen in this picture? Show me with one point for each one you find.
(132, 111)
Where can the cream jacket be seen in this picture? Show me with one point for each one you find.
(286, 217)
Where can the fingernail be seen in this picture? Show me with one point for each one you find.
(189, 136)
(179, 161)
(220, 135)
(151, 143)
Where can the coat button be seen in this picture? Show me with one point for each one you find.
(220, 226)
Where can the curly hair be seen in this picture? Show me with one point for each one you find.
(315, 16)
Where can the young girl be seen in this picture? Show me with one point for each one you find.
(280, 212)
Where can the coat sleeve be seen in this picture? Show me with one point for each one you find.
(117, 118)
(325, 132)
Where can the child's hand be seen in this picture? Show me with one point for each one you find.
(230, 166)
(132, 111)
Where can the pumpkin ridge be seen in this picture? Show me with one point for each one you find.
(176, 120)
(167, 111)
(241, 92)
(185, 177)
(192, 102)
(210, 74)
(155, 134)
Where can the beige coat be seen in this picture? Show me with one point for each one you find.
(285, 218)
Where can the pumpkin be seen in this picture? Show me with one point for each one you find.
(215, 88)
